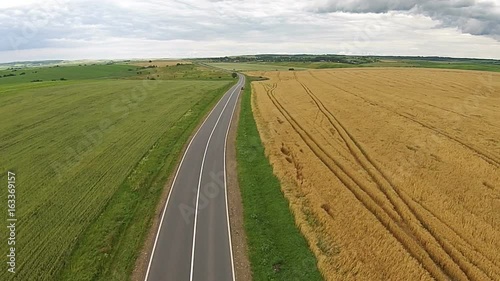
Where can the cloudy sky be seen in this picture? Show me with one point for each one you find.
(113, 29)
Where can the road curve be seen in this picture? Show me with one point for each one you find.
(193, 241)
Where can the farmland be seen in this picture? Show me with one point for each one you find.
(277, 250)
(251, 66)
(391, 173)
(301, 62)
(92, 153)
(56, 73)
(182, 72)
(160, 63)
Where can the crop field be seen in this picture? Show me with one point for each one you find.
(182, 72)
(60, 73)
(283, 65)
(276, 248)
(91, 155)
(391, 173)
(159, 63)
(252, 66)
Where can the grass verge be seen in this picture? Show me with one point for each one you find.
(277, 249)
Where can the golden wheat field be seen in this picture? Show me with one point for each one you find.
(392, 174)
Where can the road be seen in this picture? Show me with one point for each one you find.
(194, 239)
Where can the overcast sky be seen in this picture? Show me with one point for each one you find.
(113, 29)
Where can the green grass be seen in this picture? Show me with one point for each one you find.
(74, 72)
(311, 65)
(455, 65)
(92, 157)
(251, 66)
(277, 250)
(184, 72)
(284, 66)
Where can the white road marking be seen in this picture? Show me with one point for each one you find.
(199, 180)
(225, 190)
(172, 187)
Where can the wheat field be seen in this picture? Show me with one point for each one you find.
(392, 174)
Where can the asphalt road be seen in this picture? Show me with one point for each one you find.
(194, 241)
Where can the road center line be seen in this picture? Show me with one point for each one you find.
(172, 187)
(201, 174)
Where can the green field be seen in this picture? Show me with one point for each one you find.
(55, 73)
(463, 64)
(277, 249)
(183, 72)
(92, 155)
(251, 66)
(454, 65)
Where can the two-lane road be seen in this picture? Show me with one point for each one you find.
(193, 241)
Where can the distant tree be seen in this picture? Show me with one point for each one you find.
(234, 75)
(291, 69)
(150, 61)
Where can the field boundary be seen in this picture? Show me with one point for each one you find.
(277, 248)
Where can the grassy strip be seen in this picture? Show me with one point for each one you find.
(110, 246)
(277, 249)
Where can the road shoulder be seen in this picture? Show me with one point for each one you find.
(239, 240)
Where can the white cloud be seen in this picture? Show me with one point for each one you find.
(10, 4)
(154, 28)
(477, 17)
